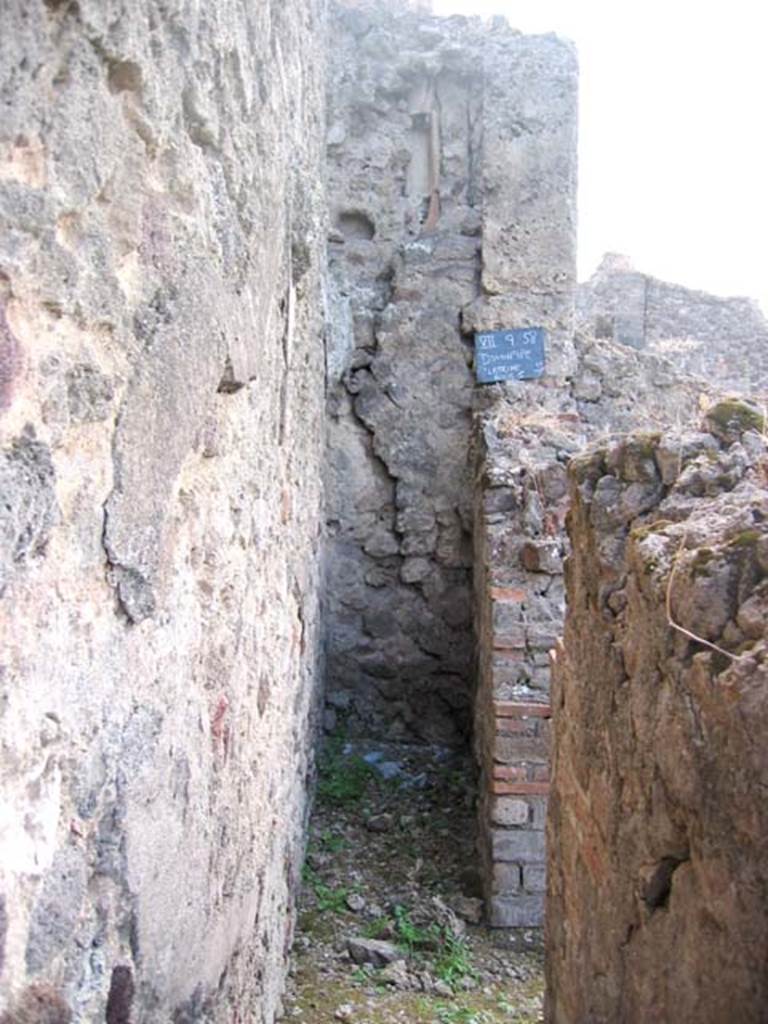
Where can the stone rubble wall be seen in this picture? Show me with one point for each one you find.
(162, 247)
(525, 439)
(656, 906)
(528, 280)
(430, 243)
(404, 101)
(723, 340)
(519, 607)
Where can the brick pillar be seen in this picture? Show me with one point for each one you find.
(528, 279)
(519, 609)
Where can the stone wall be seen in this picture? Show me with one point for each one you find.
(519, 608)
(426, 117)
(525, 439)
(529, 280)
(724, 340)
(161, 383)
(657, 875)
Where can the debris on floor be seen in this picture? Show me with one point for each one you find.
(389, 921)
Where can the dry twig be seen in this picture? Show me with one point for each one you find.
(676, 625)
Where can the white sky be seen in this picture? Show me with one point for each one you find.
(673, 150)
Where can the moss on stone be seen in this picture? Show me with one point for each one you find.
(589, 465)
(701, 560)
(639, 533)
(747, 538)
(644, 444)
(736, 414)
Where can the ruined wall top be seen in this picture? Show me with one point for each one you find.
(722, 339)
(656, 826)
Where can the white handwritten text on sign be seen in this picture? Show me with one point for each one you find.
(516, 354)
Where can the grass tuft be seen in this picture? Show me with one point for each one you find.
(343, 778)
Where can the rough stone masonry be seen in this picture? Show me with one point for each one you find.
(451, 189)
(163, 375)
(162, 247)
(656, 895)
(199, 270)
(722, 339)
(524, 438)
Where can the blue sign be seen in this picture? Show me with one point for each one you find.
(509, 355)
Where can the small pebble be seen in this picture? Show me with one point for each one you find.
(379, 823)
(389, 769)
(355, 902)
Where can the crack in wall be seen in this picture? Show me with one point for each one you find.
(408, 385)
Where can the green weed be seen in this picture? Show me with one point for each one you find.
(411, 936)
(362, 975)
(342, 778)
(452, 957)
(331, 842)
(447, 1014)
(326, 897)
(329, 899)
(377, 928)
(453, 961)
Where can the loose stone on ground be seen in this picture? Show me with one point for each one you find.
(389, 918)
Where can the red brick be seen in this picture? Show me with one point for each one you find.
(508, 654)
(540, 772)
(515, 594)
(519, 788)
(509, 709)
(513, 772)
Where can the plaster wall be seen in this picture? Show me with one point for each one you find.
(161, 380)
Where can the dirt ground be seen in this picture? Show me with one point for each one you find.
(391, 891)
